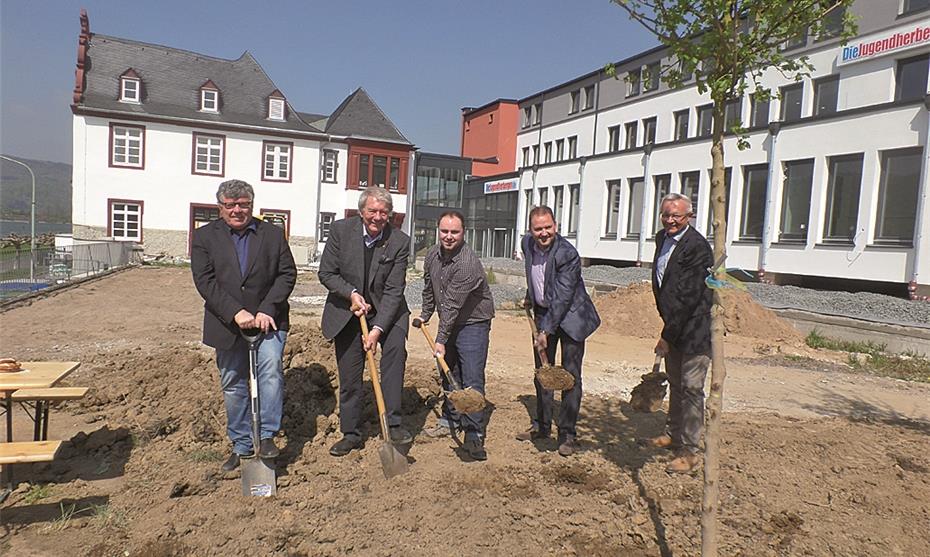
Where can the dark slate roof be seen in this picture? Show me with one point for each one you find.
(171, 80)
(360, 117)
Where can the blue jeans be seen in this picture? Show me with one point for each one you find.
(467, 356)
(234, 379)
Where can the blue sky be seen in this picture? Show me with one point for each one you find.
(420, 60)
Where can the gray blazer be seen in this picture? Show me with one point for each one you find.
(570, 307)
(342, 270)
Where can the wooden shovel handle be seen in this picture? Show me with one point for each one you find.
(376, 382)
(440, 359)
(543, 358)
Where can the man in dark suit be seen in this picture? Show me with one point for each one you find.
(244, 270)
(564, 315)
(680, 266)
(364, 266)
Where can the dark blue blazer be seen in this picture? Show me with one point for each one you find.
(570, 307)
(684, 300)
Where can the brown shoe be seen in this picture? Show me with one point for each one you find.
(567, 447)
(533, 435)
(661, 442)
(684, 463)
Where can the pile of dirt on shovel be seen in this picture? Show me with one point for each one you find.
(632, 311)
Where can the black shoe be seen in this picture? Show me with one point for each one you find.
(346, 445)
(533, 435)
(475, 449)
(268, 449)
(231, 463)
(400, 436)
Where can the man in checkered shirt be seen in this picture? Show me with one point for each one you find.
(457, 289)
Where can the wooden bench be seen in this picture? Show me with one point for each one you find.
(28, 451)
(42, 398)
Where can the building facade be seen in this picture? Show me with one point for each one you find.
(489, 133)
(156, 129)
(834, 185)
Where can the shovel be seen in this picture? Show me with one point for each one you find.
(552, 378)
(393, 463)
(258, 478)
(649, 394)
(465, 401)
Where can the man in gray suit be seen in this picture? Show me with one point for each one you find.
(364, 266)
(564, 315)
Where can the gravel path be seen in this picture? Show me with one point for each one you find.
(860, 305)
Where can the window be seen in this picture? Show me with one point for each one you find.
(209, 100)
(537, 113)
(651, 77)
(911, 6)
(632, 83)
(276, 109)
(557, 203)
(589, 97)
(630, 132)
(727, 173)
(759, 112)
(379, 171)
(826, 92)
(527, 116)
(127, 146)
(663, 187)
(559, 149)
(613, 138)
(732, 114)
(832, 24)
(911, 78)
(705, 118)
(202, 215)
(535, 154)
(330, 165)
(690, 181)
(491, 118)
(791, 97)
(574, 101)
(364, 174)
(547, 149)
(649, 131)
(528, 194)
(573, 146)
(326, 221)
(277, 163)
(755, 182)
(526, 156)
(613, 209)
(796, 41)
(125, 220)
(543, 197)
(278, 217)
(796, 200)
(634, 218)
(574, 203)
(897, 198)
(842, 212)
(681, 125)
(209, 154)
(129, 90)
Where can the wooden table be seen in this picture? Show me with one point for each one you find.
(34, 375)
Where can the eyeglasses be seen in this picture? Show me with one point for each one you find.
(676, 218)
(232, 204)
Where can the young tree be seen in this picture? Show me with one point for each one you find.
(727, 45)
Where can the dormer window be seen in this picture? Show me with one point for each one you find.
(276, 106)
(209, 97)
(130, 87)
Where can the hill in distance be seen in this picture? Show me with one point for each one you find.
(53, 190)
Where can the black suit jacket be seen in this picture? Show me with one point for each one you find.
(268, 281)
(342, 270)
(684, 300)
(570, 307)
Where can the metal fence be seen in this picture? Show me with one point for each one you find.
(59, 265)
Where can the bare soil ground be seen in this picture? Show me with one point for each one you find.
(816, 461)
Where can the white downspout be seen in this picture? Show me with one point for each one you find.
(646, 212)
(921, 221)
(768, 225)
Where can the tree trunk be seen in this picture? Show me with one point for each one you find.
(711, 497)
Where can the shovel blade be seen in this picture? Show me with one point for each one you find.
(393, 462)
(258, 478)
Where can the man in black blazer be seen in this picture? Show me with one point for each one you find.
(244, 270)
(364, 266)
(564, 315)
(681, 263)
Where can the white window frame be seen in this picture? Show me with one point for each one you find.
(559, 149)
(330, 165)
(276, 109)
(213, 149)
(124, 95)
(573, 147)
(326, 221)
(612, 220)
(119, 221)
(122, 139)
(215, 101)
(574, 103)
(588, 97)
(277, 153)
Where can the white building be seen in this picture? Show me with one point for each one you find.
(156, 129)
(834, 186)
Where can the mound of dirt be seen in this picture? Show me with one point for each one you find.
(632, 311)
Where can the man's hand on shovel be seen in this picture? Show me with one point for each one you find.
(369, 341)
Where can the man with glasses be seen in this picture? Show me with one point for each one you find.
(682, 258)
(364, 267)
(244, 270)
